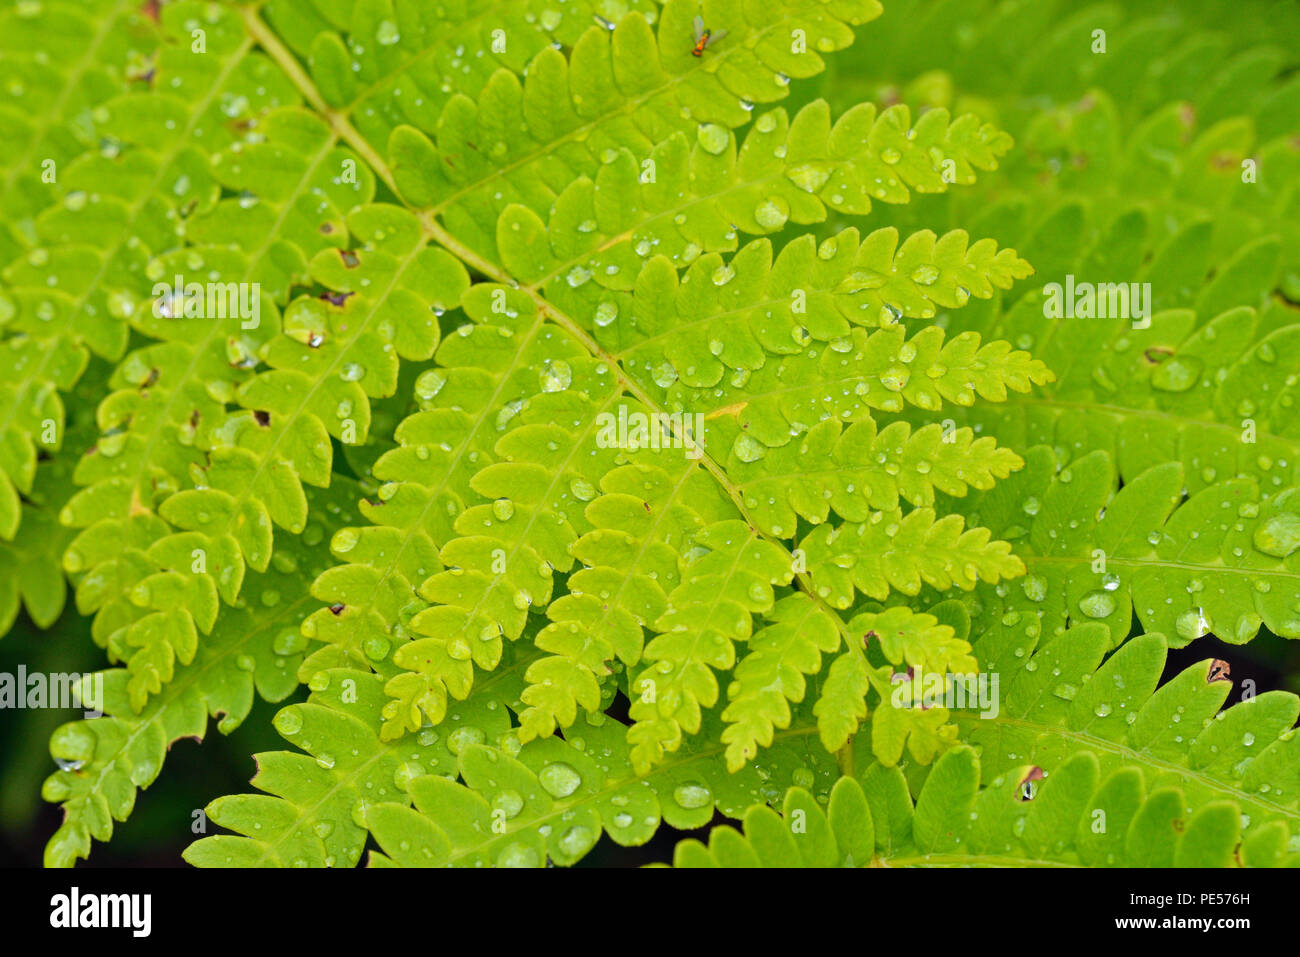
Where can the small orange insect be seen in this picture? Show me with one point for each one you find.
(703, 37)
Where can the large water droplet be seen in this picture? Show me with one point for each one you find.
(559, 779)
(1278, 535)
(518, 855)
(713, 138)
(1097, 604)
(288, 722)
(1192, 624)
(692, 796)
(748, 449)
(556, 375)
(772, 213)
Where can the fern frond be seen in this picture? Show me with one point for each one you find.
(129, 199)
(893, 551)
(253, 650)
(692, 198)
(710, 610)
(522, 142)
(1212, 396)
(729, 316)
(31, 565)
(333, 354)
(517, 805)
(772, 673)
(1219, 560)
(60, 61)
(1058, 704)
(872, 821)
(493, 574)
(905, 714)
(386, 70)
(852, 377)
(1226, 63)
(642, 526)
(867, 468)
(31, 414)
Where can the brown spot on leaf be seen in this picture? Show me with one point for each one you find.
(350, 259)
(337, 609)
(1219, 671)
(262, 416)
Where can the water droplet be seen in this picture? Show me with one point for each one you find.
(559, 779)
(1192, 624)
(772, 214)
(582, 490)
(895, 378)
(509, 802)
(748, 449)
(1097, 604)
(518, 855)
(1034, 587)
(288, 722)
(1177, 374)
(713, 138)
(606, 313)
(462, 738)
(577, 840)
(1278, 535)
(692, 795)
(556, 375)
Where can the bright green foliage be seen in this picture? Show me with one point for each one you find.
(31, 565)
(1131, 168)
(1223, 560)
(59, 60)
(515, 805)
(255, 648)
(872, 822)
(541, 373)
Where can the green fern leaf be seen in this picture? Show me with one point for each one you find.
(252, 649)
(1219, 560)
